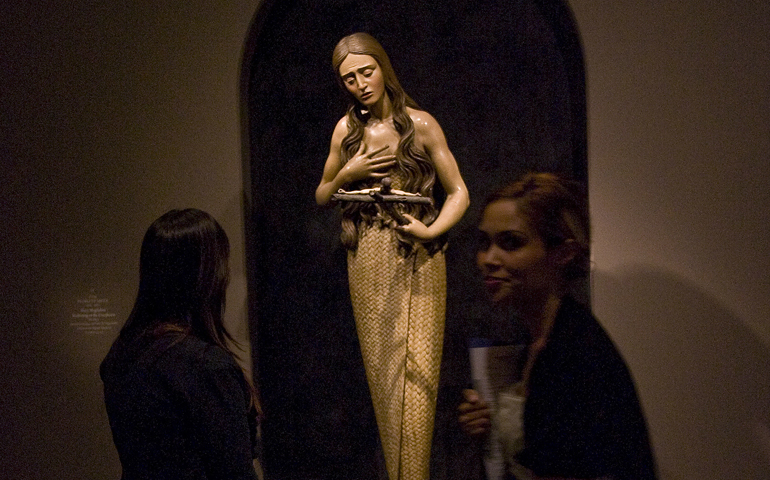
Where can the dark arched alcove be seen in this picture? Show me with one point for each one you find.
(504, 79)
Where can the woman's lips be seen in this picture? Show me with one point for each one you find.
(493, 283)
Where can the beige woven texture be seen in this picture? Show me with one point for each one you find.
(399, 307)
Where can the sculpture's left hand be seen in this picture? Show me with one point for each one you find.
(416, 229)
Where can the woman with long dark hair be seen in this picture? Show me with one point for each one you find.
(179, 405)
(575, 412)
(397, 273)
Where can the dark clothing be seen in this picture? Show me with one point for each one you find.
(582, 417)
(178, 409)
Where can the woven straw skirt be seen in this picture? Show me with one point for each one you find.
(399, 308)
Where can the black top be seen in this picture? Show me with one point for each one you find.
(178, 409)
(582, 417)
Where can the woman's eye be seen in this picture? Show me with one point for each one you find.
(510, 241)
(368, 72)
(483, 242)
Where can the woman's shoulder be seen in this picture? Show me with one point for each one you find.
(585, 345)
(174, 351)
(209, 354)
(580, 337)
(576, 318)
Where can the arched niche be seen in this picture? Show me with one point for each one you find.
(505, 80)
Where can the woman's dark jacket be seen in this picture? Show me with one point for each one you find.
(582, 417)
(179, 408)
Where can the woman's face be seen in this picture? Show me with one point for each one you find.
(363, 78)
(516, 265)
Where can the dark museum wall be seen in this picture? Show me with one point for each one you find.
(112, 113)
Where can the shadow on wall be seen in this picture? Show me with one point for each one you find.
(702, 374)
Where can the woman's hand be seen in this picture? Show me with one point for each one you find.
(475, 416)
(367, 165)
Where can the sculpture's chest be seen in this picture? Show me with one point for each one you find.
(379, 136)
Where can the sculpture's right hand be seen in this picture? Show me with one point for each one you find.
(367, 165)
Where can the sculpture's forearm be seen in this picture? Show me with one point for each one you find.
(454, 208)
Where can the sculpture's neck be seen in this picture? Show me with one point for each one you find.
(382, 110)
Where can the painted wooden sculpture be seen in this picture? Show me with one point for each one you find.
(389, 154)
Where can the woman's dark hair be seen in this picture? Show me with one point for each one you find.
(183, 276)
(557, 209)
(416, 166)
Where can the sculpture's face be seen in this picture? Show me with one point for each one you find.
(363, 78)
(515, 263)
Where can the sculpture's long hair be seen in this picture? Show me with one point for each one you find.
(415, 165)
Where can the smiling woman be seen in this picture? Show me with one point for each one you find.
(575, 412)
(529, 239)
